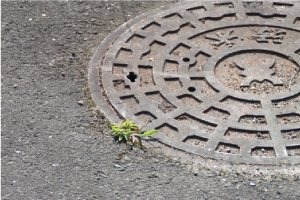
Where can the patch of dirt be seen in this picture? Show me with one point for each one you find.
(196, 141)
(163, 104)
(190, 120)
(259, 135)
(291, 134)
(263, 152)
(253, 120)
(288, 119)
(228, 148)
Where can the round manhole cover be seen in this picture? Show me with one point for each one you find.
(220, 80)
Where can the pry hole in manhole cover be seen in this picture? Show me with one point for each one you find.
(222, 79)
(186, 59)
(131, 76)
(192, 89)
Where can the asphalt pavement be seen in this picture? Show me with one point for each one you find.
(57, 145)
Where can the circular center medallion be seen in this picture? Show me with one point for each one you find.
(219, 80)
(257, 72)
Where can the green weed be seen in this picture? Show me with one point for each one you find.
(128, 131)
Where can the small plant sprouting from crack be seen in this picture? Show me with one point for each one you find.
(128, 131)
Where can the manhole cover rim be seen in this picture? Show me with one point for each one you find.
(100, 101)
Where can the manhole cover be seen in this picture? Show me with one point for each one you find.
(220, 80)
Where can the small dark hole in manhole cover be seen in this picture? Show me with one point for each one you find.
(186, 59)
(192, 89)
(131, 76)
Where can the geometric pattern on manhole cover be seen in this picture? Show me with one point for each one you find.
(220, 80)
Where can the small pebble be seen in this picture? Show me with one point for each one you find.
(15, 86)
(126, 158)
(117, 166)
(80, 103)
(252, 184)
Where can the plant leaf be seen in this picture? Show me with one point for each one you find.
(135, 125)
(139, 131)
(116, 129)
(120, 138)
(148, 133)
(127, 133)
(116, 134)
(127, 124)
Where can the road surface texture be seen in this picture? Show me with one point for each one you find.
(56, 145)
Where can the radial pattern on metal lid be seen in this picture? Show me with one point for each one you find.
(220, 80)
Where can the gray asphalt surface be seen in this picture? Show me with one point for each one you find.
(53, 147)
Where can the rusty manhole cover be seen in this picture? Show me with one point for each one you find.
(220, 80)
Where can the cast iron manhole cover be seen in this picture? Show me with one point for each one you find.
(220, 80)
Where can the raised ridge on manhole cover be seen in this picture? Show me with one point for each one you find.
(219, 80)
